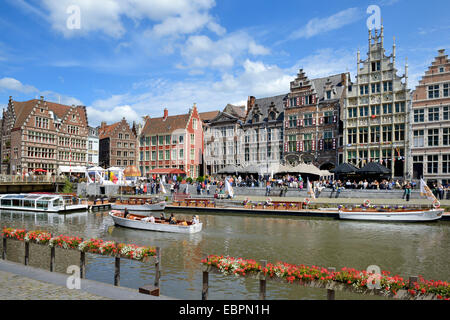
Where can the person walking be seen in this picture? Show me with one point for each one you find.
(408, 188)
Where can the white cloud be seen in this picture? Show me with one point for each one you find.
(115, 114)
(11, 84)
(317, 26)
(107, 16)
(202, 52)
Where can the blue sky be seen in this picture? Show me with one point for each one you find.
(135, 57)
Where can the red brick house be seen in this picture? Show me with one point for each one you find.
(172, 142)
(38, 134)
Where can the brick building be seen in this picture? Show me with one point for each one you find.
(311, 119)
(172, 142)
(431, 122)
(376, 112)
(117, 145)
(38, 134)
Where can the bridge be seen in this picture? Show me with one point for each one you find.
(21, 184)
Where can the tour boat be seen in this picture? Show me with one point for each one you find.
(135, 222)
(42, 202)
(400, 215)
(140, 205)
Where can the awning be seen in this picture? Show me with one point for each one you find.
(166, 171)
(73, 169)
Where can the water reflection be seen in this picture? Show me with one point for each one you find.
(407, 249)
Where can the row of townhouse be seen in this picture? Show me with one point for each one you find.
(324, 121)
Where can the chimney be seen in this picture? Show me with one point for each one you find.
(441, 52)
(166, 114)
(103, 124)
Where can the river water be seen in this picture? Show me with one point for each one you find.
(404, 249)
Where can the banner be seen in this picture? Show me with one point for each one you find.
(426, 192)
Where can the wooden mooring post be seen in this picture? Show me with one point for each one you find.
(331, 294)
(82, 265)
(205, 282)
(4, 248)
(154, 289)
(117, 271)
(27, 253)
(52, 259)
(262, 281)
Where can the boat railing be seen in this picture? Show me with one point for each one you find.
(33, 179)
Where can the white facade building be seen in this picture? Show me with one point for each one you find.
(93, 147)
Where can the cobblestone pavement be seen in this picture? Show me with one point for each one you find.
(15, 287)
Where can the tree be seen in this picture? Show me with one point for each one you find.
(68, 187)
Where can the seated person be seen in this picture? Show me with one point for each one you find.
(150, 219)
(195, 220)
(172, 219)
(126, 213)
(268, 202)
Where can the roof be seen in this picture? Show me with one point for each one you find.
(335, 81)
(237, 111)
(264, 104)
(208, 116)
(23, 109)
(154, 126)
(106, 131)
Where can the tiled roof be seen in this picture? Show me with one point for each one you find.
(208, 116)
(264, 104)
(23, 109)
(106, 131)
(335, 80)
(237, 111)
(159, 126)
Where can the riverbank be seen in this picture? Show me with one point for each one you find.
(19, 282)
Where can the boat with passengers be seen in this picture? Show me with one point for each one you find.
(42, 202)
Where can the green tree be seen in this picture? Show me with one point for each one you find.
(68, 187)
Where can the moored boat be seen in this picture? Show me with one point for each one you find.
(42, 202)
(400, 215)
(134, 221)
(140, 205)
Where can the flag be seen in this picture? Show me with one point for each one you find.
(163, 190)
(228, 188)
(426, 192)
(310, 190)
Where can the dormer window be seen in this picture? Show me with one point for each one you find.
(272, 115)
(441, 69)
(255, 118)
(328, 94)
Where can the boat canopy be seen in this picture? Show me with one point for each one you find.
(46, 197)
(72, 169)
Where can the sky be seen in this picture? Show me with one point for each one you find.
(131, 58)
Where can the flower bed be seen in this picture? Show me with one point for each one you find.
(358, 280)
(96, 246)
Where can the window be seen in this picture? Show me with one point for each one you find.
(445, 91)
(441, 69)
(375, 110)
(446, 136)
(375, 154)
(192, 153)
(419, 115)
(376, 66)
(125, 153)
(352, 157)
(292, 144)
(399, 107)
(292, 121)
(307, 142)
(328, 117)
(375, 87)
(308, 121)
(160, 155)
(272, 116)
(120, 136)
(387, 133)
(153, 155)
(433, 114)
(125, 145)
(399, 132)
(119, 144)
(364, 89)
(167, 154)
(328, 94)
(364, 111)
(433, 91)
(160, 140)
(192, 138)
(387, 108)
(119, 163)
(363, 135)
(352, 136)
(446, 113)
(375, 134)
(181, 139)
(363, 154)
(419, 140)
(433, 137)
(167, 140)
(181, 154)
(174, 154)
(127, 136)
(432, 165)
(154, 140)
(119, 153)
(352, 112)
(194, 124)
(387, 86)
(446, 163)
(328, 140)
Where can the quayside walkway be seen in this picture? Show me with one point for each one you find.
(19, 282)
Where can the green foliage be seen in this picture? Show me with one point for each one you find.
(179, 178)
(189, 180)
(68, 187)
(200, 179)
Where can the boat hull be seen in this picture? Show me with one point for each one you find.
(401, 216)
(75, 207)
(142, 208)
(159, 227)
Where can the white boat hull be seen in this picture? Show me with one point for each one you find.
(140, 225)
(74, 207)
(405, 216)
(141, 208)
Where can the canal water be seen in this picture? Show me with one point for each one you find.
(404, 249)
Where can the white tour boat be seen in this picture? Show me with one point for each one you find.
(382, 214)
(135, 222)
(42, 202)
(141, 206)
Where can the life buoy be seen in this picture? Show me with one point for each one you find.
(436, 204)
(367, 203)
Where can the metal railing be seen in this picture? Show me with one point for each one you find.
(20, 179)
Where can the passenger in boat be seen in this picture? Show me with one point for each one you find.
(172, 219)
(150, 219)
(126, 213)
(195, 220)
